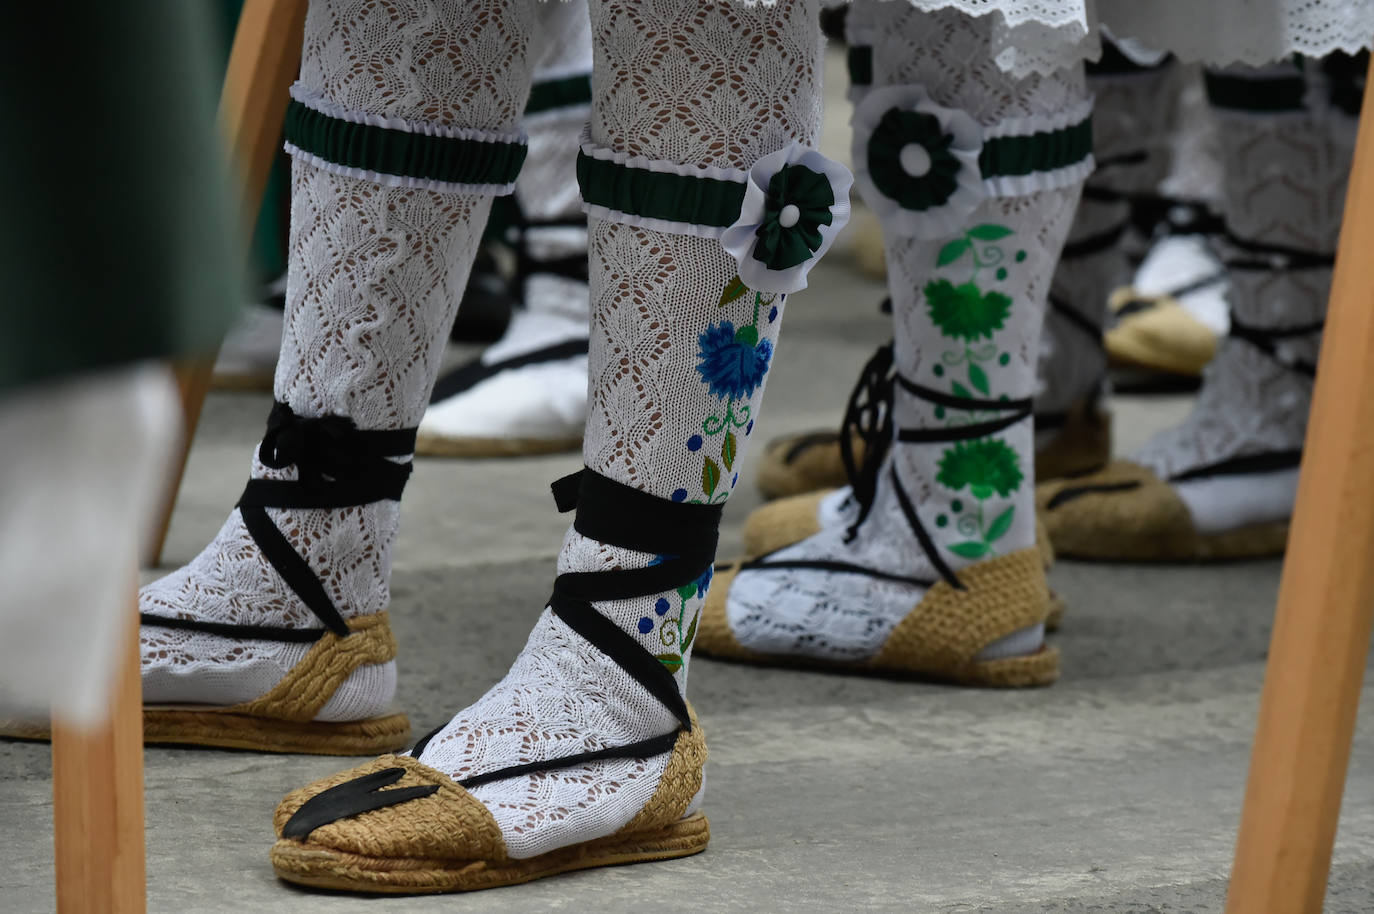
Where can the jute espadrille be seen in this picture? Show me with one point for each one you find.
(283, 720)
(434, 836)
(1159, 334)
(942, 635)
(1126, 512)
(781, 523)
(1083, 442)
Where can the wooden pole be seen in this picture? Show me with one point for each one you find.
(263, 63)
(97, 785)
(1326, 598)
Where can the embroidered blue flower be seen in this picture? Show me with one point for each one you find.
(732, 363)
(704, 582)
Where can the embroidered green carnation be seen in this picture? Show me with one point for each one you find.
(965, 311)
(985, 465)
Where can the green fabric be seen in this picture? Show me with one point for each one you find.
(396, 152)
(1284, 93)
(779, 247)
(559, 93)
(860, 63)
(115, 243)
(897, 129)
(1012, 156)
(657, 195)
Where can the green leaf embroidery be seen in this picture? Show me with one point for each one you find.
(989, 232)
(977, 376)
(952, 252)
(1001, 525)
(687, 591)
(969, 549)
(733, 290)
(984, 465)
(710, 476)
(965, 311)
(727, 451)
(671, 661)
(691, 632)
(962, 391)
(748, 335)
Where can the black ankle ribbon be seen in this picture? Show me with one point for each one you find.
(868, 416)
(337, 465)
(682, 537)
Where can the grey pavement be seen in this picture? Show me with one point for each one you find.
(1115, 790)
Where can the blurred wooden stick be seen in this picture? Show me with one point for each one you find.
(263, 63)
(1326, 599)
(97, 786)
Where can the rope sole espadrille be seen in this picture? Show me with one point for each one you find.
(428, 444)
(1158, 334)
(781, 523)
(1127, 513)
(426, 834)
(939, 640)
(804, 462)
(283, 719)
(1083, 442)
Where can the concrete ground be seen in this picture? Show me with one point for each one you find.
(1115, 790)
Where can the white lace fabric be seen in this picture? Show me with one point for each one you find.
(749, 78)
(846, 617)
(1132, 113)
(1285, 185)
(374, 277)
(1041, 36)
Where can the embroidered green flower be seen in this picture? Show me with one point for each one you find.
(910, 161)
(985, 465)
(796, 205)
(965, 311)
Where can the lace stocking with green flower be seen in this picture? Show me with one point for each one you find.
(967, 312)
(732, 362)
(972, 315)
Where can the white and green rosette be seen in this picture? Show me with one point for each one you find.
(924, 168)
(776, 220)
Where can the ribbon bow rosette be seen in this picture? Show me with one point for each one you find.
(795, 203)
(916, 163)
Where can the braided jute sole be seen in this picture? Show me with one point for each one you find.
(324, 868)
(283, 720)
(1126, 513)
(939, 639)
(217, 728)
(428, 444)
(446, 840)
(781, 523)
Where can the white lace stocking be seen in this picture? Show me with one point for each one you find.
(971, 513)
(547, 399)
(1285, 185)
(1132, 114)
(699, 83)
(375, 274)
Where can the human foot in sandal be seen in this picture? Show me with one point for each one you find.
(1221, 484)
